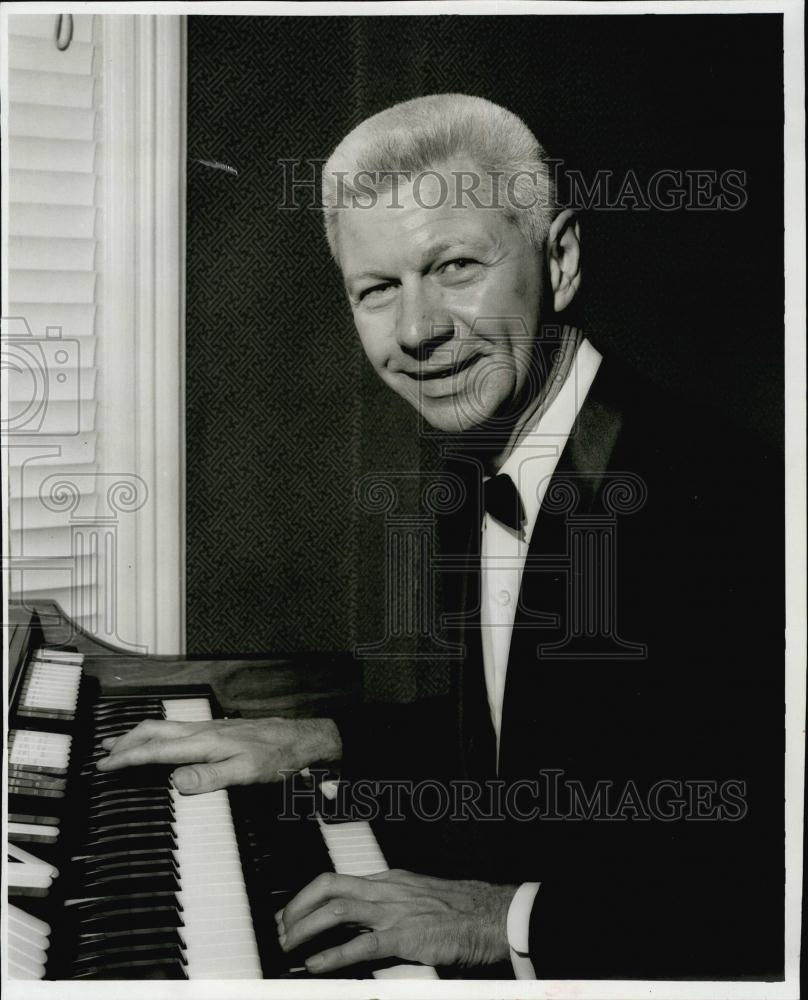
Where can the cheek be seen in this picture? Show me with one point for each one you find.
(505, 295)
(524, 293)
(374, 343)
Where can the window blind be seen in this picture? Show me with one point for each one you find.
(54, 315)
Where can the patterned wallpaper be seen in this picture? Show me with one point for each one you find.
(284, 416)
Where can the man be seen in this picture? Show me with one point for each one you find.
(617, 592)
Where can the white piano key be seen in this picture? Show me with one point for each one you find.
(20, 946)
(235, 947)
(210, 880)
(58, 655)
(354, 850)
(40, 940)
(233, 895)
(34, 832)
(40, 746)
(406, 972)
(218, 930)
(22, 919)
(50, 685)
(242, 968)
(24, 968)
(233, 932)
(30, 736)
(46, 668)
(46, 697)
(234, 914)
(21, 876)
(31, 860)
(58, 676)
(29, 757)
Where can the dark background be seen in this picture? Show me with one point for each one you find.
(283, 413)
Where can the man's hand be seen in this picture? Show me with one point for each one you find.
(413, 917)
(226, 751)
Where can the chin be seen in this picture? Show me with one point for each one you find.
(456, 415)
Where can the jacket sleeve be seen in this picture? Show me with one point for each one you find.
(693, 921)
(397, 741)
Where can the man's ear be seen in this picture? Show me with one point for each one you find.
(564, 257)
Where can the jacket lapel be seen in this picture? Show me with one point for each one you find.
(573, 490)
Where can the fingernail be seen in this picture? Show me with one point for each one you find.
(101, 762)
(279, 916)
(188, 779)
(314, 962)
(282, 939)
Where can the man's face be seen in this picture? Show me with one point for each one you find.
(446, 301)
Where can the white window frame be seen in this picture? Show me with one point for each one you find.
(143, 408)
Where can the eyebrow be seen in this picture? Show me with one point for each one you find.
(429, 252)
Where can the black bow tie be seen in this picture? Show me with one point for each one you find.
(501, 500)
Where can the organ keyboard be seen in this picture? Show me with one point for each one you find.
(123, 877)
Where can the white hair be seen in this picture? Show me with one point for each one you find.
(430, 132)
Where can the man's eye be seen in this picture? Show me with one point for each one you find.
(458, 265)
(375, 291)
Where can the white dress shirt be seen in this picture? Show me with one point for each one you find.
(503, 550)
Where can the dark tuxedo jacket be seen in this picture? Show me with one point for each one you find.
(644, 700)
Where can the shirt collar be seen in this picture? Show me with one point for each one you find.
(547, 432)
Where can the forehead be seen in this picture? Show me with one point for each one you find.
(399, 223)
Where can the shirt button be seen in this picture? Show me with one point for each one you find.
(504, 598)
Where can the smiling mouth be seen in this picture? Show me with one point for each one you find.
(447, 372)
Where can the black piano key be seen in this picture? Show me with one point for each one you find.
(123, 885)
(127, 716)
(162, 968)
(112, 796)
(128, 887)
(102, 832)
(163, 870)
(102, 946)
(146, 776)
(114, 812)
(107, 905)
(112, 860)
(112, 726)
(96, 754)
(105, 948)
(139, 843)
(134, 922)
(156, 859)
(22, 804)
(141, 853)
(159, 824)
(107, 701)
(161, 867)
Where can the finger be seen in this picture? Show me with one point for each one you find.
(170, 751)
(197, 778)
(329, 886)
(150, 729)
(331, 914)
(365, 947)
(429, 884)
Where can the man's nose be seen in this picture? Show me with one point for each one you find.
(423, 326)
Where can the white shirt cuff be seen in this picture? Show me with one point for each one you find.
(518, 929)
